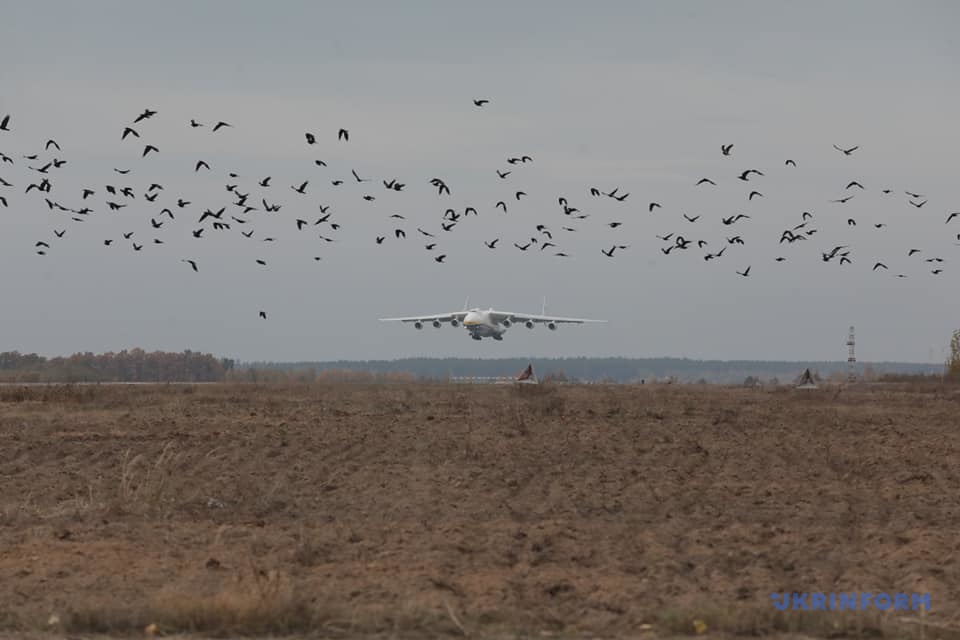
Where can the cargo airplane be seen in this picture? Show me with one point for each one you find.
(487, 323)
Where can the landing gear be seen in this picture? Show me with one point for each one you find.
(498, 337)
(476, 337)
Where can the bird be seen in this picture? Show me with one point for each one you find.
(343, 134)
(221, 125)
(263, 314)
(192, 264)
(399, 233)
(301, 224)
(790, 163)
(311, 139)
(129, 131)
(261, 262)
(201, 163)
(851, 222)
(440, 258)
(952, 216)
(913, 251)
(879, 265)
(917, 204)
(843, 200)
(51, 143)
(492, 244)
(380, 239)
(519, 193)
(503, 174)
(913, 195)
(854, 183)
(725, 149)
(689, 219)
(705, 181)
(502, 205)
(358, 178)
(5, 123)
(745, 176)
(147, 113)
(265, 182)
(846, 152)
(754, 193)
(745, 272)
(522, 247)
(302, 188)
(147, 149)
(480, 102)
(195, 124)
(652, 206)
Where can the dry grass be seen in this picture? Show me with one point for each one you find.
(424, 510)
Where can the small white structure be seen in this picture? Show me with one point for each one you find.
(806, 381)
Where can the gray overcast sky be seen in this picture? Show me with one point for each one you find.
(635, 95)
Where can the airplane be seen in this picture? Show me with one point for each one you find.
(488, 323)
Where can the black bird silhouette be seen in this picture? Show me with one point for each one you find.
(754, 193)
(441, 257)
(503, 174)
(311, 139)
(426, 233)
(51, 143)
(952, 216)
(343, 134)
(846, 152)
(843, 200)
(201, 163)
(913, 195)
(399, 233)
(129, 131)
(358, 178)
(195, 124)
(689, 219)
(263, 314)
(480, 102)
(851, 222)
(122, 172)
(502, 205)
(107, 242)
(492, 244)
(609, 253)
(519, 193)
(522, 247)
(725, 148)
(918, 204)
(745, 176)
(854, 183)
(430, 247)
(301, 224)
(879, 265)
(261, 262)
(790, 163)
(705, 181)
(380, 239)
(5, 123)
(147, 149)
(221, 125)
(41, 243)
(147, 113)
(192, 263)
(302, 188)
(730, 220)
(652, 206)
(198, 232)
(806, 215)
(745, 272)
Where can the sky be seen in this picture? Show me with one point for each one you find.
(637, 96)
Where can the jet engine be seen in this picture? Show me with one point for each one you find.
(436, 324)
(418, 325)
(507, 322)
(528, 324)
(454, 323)
(552, 326)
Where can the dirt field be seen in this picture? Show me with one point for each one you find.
(480, 510)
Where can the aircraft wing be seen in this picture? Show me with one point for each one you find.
(500, 316)
(441, 317)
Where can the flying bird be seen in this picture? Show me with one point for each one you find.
(480, 102)
(5, 123)
(147, 113)
(343, 134)
(192, 264)
(221, 125)
(846, 152)
(725, 148)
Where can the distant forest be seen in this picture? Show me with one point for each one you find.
(137, 365)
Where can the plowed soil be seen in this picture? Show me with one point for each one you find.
(486, 510)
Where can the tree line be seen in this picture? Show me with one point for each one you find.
(134, 365)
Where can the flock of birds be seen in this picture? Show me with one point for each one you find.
(250, 198)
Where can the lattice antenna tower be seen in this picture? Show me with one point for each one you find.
(851, 358)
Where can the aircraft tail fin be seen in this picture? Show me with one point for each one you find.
(466, 303)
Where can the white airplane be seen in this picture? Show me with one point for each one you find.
(488, 323)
